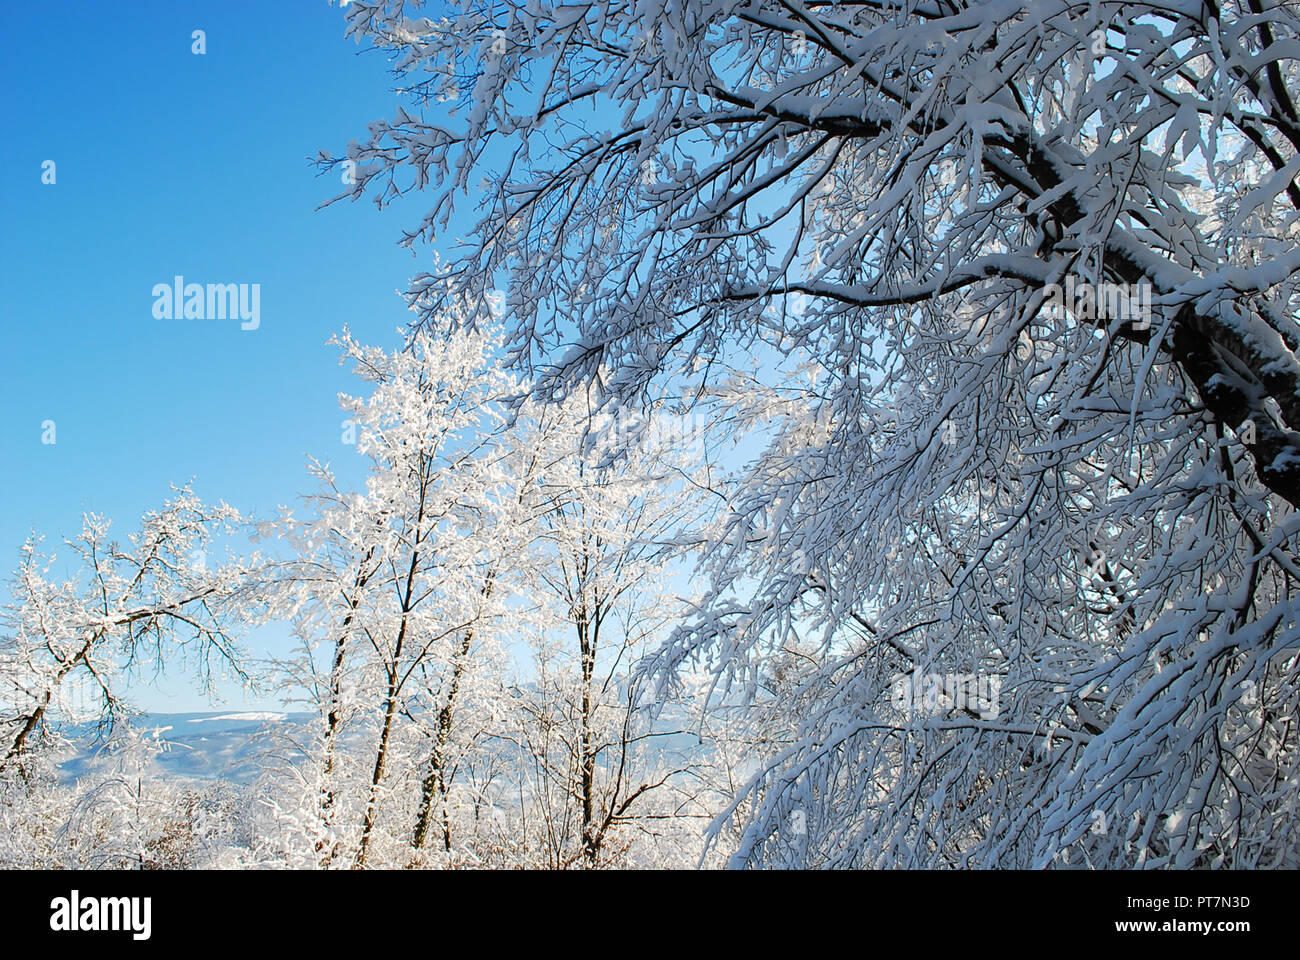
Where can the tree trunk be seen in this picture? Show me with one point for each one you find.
(381, 758)
(433, 786)
(33, 720)
(334, 717)
(590, 838)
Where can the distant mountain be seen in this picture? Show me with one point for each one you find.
(204, 746)
(232, 745)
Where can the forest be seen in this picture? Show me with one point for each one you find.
(852, 434)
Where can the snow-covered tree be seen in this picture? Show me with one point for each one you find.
(1045, 257)
(396, 582)
(482, 527)
(70, 643)
(613, 500)
(76, 632)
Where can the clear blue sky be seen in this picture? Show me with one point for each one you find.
(172, 163)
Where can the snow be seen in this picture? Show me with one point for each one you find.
(263, 715)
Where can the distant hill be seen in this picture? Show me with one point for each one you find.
(230, 745)
(205, 746)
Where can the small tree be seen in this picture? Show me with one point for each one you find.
(396, 580)
(69, 645)
(614, 502)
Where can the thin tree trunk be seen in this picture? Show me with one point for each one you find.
(381, 758)
(590, 840)
(34, 718)
(433, 786)
(334, 717)
(390, 701)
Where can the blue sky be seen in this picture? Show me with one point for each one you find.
(173, 163)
